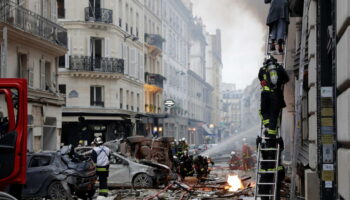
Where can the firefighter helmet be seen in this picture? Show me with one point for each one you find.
(98, 141)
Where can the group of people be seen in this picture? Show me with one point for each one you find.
(244, 160)
(272, 78)
(189, 165)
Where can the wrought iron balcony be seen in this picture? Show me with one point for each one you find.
(30, 22)
(88, 63)
(154, 79)
(99, 15)
(154, 40)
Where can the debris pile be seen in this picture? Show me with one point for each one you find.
(192, 188)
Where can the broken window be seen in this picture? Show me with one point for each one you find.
(39, 161)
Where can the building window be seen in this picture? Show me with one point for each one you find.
(48, 77)
(60, 9)
(138, 103)
(62, 88)
(96, 52)
(25, 71)
(127, 100)
(121, 96)
(97, 96)
(62, 61)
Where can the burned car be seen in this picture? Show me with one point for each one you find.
(125, 172)
(55, 175)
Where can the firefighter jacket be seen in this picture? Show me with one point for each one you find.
(100, 156)
(274, 75)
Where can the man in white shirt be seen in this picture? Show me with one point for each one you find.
(100, 156)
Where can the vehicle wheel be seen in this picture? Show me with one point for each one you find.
(142, 181)
(56, 191)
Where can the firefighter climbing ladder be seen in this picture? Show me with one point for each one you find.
(271, 185)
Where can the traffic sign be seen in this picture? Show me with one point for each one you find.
(169, 103)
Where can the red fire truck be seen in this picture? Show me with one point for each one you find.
(13, 135)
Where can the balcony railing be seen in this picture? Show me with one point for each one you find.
(88, 63)
(154, 40)
(30, 22)
(99, 15)
(154, 79)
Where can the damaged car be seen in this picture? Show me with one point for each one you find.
(126, 172)
(55, 175)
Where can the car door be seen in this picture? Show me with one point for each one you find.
(13, 131)
(38, 172)
(119, 171)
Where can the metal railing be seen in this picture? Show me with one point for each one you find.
(99, 15)
(88, 63)
(30, 22)
(154, 79)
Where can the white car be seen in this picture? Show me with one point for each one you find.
(125, 172)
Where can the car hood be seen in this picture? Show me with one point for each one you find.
(84, 168)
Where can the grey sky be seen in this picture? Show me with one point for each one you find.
(242, 23)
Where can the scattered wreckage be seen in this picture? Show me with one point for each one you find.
(126, 172)
(142, 148)
(57, 175)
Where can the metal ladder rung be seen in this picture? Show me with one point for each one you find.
(265, 195)
(268, 160)
(266, 184)
(269, 149)
(268, 138)
(267, 172)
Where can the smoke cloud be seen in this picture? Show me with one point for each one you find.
(242, 23)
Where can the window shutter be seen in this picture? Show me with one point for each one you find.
(44, 8)
(88, 46)
(142, 67)
(132, 62)
(138, 66)
(54, 10)
(30, 77)
(42, 74)
(107, 48)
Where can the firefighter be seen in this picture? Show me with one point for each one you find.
(186, 165)
(272, 76)
(246, 155)
(101, 157)
(235, 161)
(199, 165)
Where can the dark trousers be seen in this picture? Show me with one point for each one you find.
(270, 108)
(278, 30)
(103, 177)
(266, 189)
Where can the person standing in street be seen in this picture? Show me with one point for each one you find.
(278, 20)
(101, 157)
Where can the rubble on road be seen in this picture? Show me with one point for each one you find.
(190, 188)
